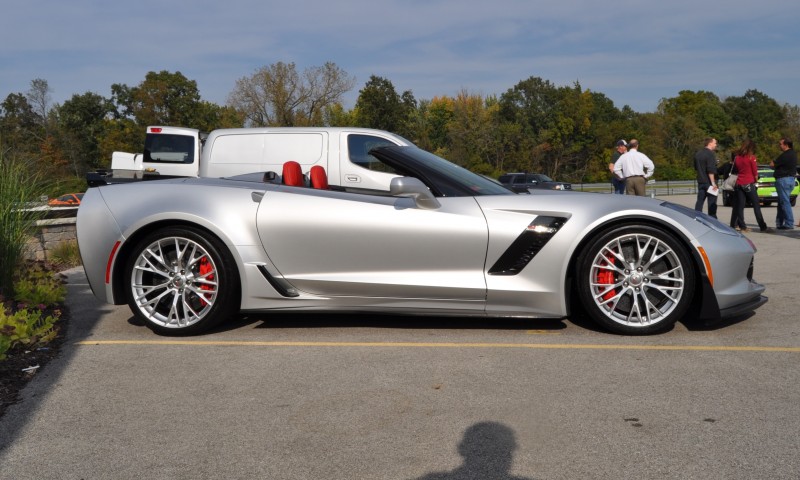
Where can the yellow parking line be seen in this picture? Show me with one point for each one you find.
(543, 346)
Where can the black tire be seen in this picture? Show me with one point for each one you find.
(625, 289)
(181, 281)
(793, 201)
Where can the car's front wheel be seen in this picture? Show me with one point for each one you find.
(180, 282)
(635, 280)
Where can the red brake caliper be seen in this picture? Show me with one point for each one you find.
(205, 268)
(606, 277)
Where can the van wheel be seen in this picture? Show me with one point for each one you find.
(181, 282)
(635, 280)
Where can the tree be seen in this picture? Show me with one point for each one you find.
(791, 114)
(436, 115)
(682, 124)
(336, 116)
(761, 117)
(566, 141)
(531, 103)
(163, 98)
(24, 133)
(379, 106)
(210, 116)
(19, 125)
(471, 133)
(39, 98)
(556, 124)
(692, 116)
(82, 122)
(278, 95)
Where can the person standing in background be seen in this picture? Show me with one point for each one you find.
(705, 163)
(746, 167)
(785, 173)
(635, 168)
(617, 183)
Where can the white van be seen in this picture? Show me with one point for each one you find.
(184, 152)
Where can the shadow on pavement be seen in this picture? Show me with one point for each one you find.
(84, 314)
(487, 449)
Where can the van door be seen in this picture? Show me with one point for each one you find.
(357, 168)
(238, 151)
(171, 152)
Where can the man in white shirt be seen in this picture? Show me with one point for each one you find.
(635, 168)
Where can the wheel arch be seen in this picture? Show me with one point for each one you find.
(122, 256)
(703, 300)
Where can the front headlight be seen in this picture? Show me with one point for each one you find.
(701, 217)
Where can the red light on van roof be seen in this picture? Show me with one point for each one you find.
(155, 130)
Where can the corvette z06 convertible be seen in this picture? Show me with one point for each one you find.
(187, 254)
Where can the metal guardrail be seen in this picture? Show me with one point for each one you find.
(657, 188)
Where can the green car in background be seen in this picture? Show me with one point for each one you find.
(765, 187)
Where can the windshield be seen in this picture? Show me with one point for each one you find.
(445, 179)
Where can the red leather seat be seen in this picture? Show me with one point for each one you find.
(319, 179)
(292, 174)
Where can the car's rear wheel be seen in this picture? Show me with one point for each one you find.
(635, 280)
(180, 282)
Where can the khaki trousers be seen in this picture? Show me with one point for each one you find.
(635, 186)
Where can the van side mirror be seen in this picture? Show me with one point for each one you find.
(413, 188)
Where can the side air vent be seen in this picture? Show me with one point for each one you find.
(527, 245)
(280, 285)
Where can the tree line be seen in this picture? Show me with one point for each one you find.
(566, 132)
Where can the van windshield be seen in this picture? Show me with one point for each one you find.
(168, 148)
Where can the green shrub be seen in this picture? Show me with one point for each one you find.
(27, 326)
(38, 286)
(5, 345)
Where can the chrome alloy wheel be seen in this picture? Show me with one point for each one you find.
(174, 282)
(637, 280)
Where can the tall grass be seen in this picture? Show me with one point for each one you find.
(65, 255)
(19, 188)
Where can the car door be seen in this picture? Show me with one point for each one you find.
(332, 243)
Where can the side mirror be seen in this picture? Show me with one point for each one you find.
(413, 188)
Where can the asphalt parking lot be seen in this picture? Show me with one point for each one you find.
(352, 397)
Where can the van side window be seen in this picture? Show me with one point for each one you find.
(358, 147)
(167, 148)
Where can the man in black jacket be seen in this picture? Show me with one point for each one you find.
(785, 171)
(705, 162)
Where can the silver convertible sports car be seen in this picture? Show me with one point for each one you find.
(186, 254)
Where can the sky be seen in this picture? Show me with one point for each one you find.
(634, 52)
